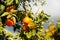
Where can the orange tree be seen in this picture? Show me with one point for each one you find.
(28, 26)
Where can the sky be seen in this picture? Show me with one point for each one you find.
(52, 7)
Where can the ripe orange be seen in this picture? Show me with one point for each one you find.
(24, 28)
(27, 20)
(48, 32)
(9, 8)
(52, 28)
(9, 22)
(58, 22)
(12, 7)
(31, 25)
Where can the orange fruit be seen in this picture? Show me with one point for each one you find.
(12, 7)
(24, 28)
(58, 22)
(48, 32)
(9, 22)
(27, 20)
(52, 27)
(31, 25)
(9, 8)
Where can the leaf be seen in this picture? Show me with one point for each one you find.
(9, 16)
(17, 1)
(33, 32)
(0, 22)
(28, 35)
(2, 7)
(43, 3)
(0, 28)
(8, 2)
(4, 14)
(14, 15)
(14, 19)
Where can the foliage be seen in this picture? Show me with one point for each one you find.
(28, 26)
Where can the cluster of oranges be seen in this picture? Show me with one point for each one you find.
(50, 30)
(27, 23)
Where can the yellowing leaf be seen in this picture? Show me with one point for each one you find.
(17, 1)
(33, 32)
(8, 33)
(28, 35)
(14, 19)
(4, 14)
(9, 16)
(0, 28)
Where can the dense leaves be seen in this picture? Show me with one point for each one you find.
(25, 24)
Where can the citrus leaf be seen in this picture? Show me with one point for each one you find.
(17, 1)
(8, 2)
(28, 35)
(2, 7)
(33, 32)
(14, 19)
(9, 16)
(0, 28)
(4, 14)
(14, 15)
(0, 22)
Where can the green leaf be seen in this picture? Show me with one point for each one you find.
(33, 32)
(8, 2)
(14, 15)
(0, 24)
(4, 14)
(2, 7)
(0, 28)
(28, 35)
(43, 3)
(14, 19)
